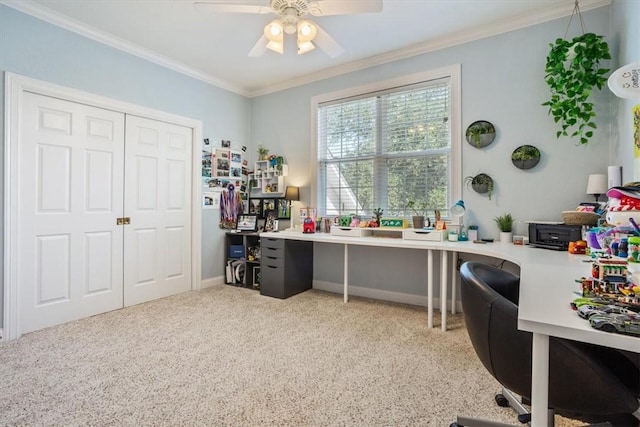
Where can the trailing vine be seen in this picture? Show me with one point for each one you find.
(572, 71)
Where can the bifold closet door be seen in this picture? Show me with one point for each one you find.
(71, 192)
(157, 258)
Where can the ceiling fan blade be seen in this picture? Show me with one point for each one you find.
(226, 6)
(259, 48)
(327, 43)
(344, 7)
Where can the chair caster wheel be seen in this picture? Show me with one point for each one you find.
(455, 425)
(502, 401)
(524, 418)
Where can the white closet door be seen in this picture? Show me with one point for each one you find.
(71, 181)
(157, 260)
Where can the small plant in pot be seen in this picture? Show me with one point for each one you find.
(419, 210)
(525, 157)
(505, 225)
(481, 183)
(480, 133)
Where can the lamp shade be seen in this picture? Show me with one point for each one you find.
(458, 209)
(597, 184)
(292, 193)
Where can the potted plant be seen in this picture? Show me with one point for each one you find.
(419, 211)
(505, 225)
(263, 153)
(525, 157)
(377, 213)
(481, 183)
(572, 72)
(481, 133)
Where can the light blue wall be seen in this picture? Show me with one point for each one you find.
(625, 46)
(36, 49)
(503, 82)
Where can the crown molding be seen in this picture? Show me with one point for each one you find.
(84, 30)
(523, 21)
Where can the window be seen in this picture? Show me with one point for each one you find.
(385, 147)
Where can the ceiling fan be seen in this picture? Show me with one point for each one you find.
(291, 20)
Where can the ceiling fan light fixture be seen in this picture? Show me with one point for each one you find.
(273, 33)
(273, 30)
(306, 31)
(276, 46)
(304, 47)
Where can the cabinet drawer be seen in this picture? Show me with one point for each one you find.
(272, 261)
(271, 252)
(272, 281)
(268, 242)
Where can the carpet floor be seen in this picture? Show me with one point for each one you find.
(227, 356)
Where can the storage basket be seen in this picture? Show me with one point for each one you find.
(580, 218)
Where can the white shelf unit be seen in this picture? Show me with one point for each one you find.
(267, 179)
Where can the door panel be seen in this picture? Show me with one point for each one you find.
(71, 180)
(157, 199)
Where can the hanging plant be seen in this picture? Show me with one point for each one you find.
(481, 183)
(572, 71)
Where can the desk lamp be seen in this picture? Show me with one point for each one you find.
(597, 185)
(291, 194)
(457, 211)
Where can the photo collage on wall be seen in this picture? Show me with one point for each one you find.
(221, 166)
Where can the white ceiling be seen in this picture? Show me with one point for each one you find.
(214, 47)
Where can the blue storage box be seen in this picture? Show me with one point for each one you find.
(236, 251)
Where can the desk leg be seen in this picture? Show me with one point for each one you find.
(454, 280)
(430, 288)
(444, 269)
(346, 273)
(540, 380)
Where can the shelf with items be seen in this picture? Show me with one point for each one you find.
(242, 260)
(268, 178)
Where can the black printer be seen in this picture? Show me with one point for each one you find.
(553, 236)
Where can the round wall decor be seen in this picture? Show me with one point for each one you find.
(480, 133)
(525, 157)
(481, 183)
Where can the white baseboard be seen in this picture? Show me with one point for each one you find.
(358, 291)
(403, 298)
(212, 281)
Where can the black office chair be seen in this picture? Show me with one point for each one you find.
(586, 382)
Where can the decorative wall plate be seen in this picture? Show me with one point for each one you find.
(480, 133)
(525, 157)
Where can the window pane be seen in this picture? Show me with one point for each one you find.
(421, 179)
(383, 149)
(349, 187)
(349, 130)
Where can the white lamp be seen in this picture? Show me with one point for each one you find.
(458, 211)
(597, 185)
(306, 33)
(273, 31)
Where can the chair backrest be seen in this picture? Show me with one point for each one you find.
(579, 380)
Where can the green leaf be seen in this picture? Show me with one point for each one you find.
(571, 86)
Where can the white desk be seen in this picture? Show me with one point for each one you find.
(547, 285)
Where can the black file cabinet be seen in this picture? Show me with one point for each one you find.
(287, 267)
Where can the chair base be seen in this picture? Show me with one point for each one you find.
(524, 416)
(513, 401)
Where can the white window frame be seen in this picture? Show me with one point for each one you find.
(452, 72)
